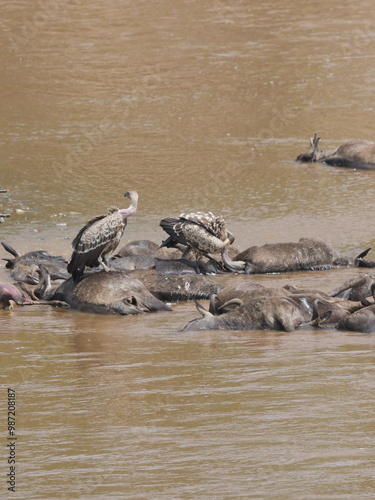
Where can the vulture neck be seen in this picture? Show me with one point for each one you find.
(127, 212)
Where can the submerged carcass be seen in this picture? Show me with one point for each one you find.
(351, 154)
(262, 313)
(25, 267)
(113, 292)
(360, 321)
(177, 287)
(255, 307)
(359, 287)
(308, 254)
(13, 293)
(21, 294)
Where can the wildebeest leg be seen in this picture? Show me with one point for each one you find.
(34, 300)
(186, 252)
(28, 290)
(53, 303)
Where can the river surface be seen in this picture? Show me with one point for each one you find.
(197, 105)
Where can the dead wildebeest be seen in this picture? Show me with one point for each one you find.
(145, 254)
(308, 254)
(113, 292)
(148, 248)
(360, 321)
(163, 266)
(21, 295)
(177, 287)
(357, 288)
(222, 300)
(262, 313)
(351, 154)
(331, 309)
(13, 293)
(25, 267)
(313, 303)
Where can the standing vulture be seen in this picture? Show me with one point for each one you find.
(99, 238)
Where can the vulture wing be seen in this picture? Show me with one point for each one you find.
(175, 229)
(210, 222)
(99, 237)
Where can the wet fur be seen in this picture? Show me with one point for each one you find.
(114, 292)
(352, 154)
(307, 254)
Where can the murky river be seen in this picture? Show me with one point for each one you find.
(197, 106)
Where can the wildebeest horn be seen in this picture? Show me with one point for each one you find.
(231, 302)
(320, 319)
(316, 316)
(11, 250)
(213, 300)
(202, 310)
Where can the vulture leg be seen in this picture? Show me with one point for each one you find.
(104, 263)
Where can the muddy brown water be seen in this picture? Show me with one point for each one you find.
(198, 106)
